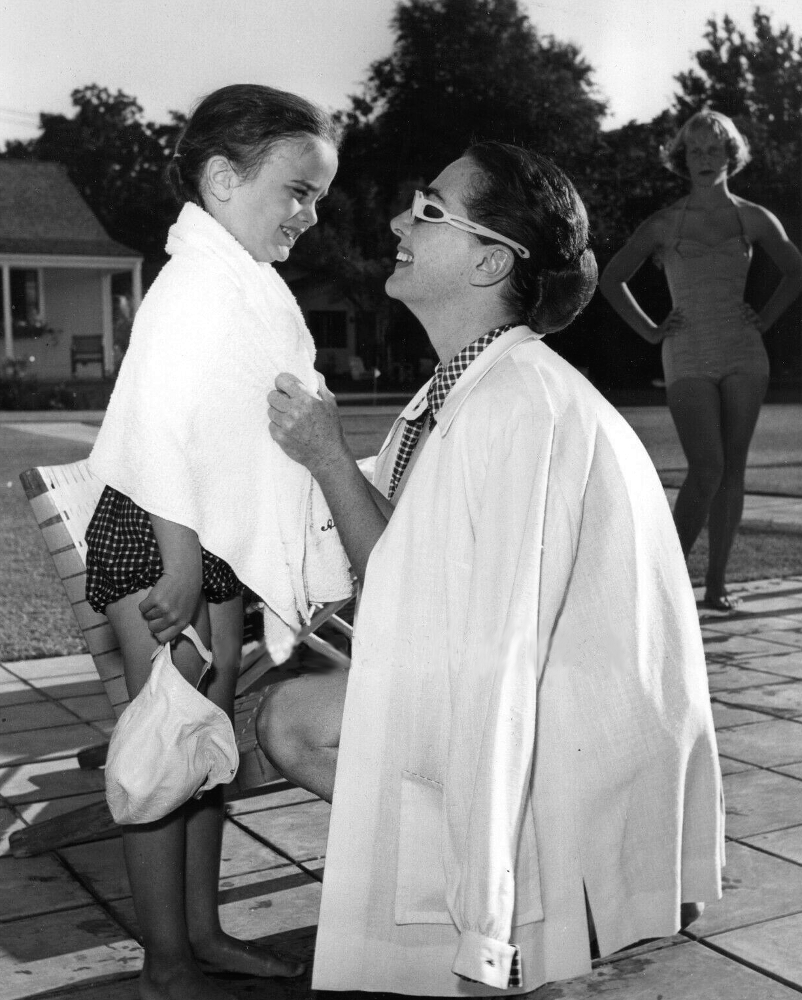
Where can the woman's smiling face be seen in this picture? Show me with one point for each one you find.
(267, 211)
(432, 259)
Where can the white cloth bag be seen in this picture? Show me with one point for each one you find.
(170, 744)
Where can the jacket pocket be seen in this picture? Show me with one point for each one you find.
(420, 896)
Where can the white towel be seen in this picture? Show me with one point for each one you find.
(186, 436)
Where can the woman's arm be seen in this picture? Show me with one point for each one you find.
(170, 606)
(613, 284)
(309, 431)
(768, 232)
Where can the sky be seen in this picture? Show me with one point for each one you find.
(169, 53)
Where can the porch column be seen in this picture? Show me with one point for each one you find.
(136, 286)
(8, 333)
(108, 324)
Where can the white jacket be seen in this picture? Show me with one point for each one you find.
(527, 715)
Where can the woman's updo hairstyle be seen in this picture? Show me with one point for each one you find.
(722, 127)
(525, 196)
(242, 122)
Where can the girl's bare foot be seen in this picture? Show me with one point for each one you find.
(181, 981)
(225, 953)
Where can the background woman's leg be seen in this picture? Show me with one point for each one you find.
(741, 399)
(204, 827)
(695, 406)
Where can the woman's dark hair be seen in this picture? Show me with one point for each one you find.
(525, 196)
(722, 127)
(242, 122)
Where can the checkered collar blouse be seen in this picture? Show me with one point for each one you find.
(443, 381)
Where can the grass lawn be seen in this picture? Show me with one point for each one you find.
(36, 620)
(35, 616)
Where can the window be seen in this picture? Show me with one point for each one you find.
(328, 328)
(26, 301)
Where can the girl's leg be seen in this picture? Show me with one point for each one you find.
(695, 406)
(204, 828)
(155, 852)
(741, 399)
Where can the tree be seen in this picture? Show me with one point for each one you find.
(117, 161)
(462, 70)
(757, 82)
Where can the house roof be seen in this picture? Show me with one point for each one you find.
(41, 212)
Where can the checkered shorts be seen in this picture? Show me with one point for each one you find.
(123, 556)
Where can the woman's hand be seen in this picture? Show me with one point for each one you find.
(308, 429)
(749, 314)
(669, 327)
(171, 604)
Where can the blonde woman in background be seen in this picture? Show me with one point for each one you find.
(715, 364)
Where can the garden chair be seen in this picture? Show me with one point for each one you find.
(63, 499)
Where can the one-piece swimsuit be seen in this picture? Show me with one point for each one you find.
(707, 285)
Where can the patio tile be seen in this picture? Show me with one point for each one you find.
(795, 770)
(35, 812)
(787, 664)
(727, 717)
(772, 945)
(269, 800)
(748, 622)
(301, 830)
(55, 950)
(728, 677)
(46, 744)
(740, 647)
(778, 741)
(9, 823)
(759, 801)
(687, 972)
(33, 715)
(30, 886)
(14, 691)
(84, 685)
(783, 637)
(90, 708)
(729, 766)
(52, 666)
(101, 865)
(756, 887)
(783, 700)
(265, 903)
(787, 843)
(45, 780)
(242, 854)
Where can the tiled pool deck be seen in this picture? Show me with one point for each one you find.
(67, 927)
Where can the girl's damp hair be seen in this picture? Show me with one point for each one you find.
(243, 123)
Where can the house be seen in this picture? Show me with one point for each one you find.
(57, 264)
(348, 339)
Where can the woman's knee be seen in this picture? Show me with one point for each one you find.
(280, 727)
(707, 476)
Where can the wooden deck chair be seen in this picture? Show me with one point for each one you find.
(63, 499)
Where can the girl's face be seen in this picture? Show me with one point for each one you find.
(706, 157)
(268, 211)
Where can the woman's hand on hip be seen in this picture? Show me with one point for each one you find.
(753, 318)
(669, 327)
(306, 427)
(170, 606)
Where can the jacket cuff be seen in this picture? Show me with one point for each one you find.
(483, 959)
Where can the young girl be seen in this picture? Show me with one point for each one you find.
(199, 500)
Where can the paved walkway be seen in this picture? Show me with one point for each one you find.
(67, 923)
